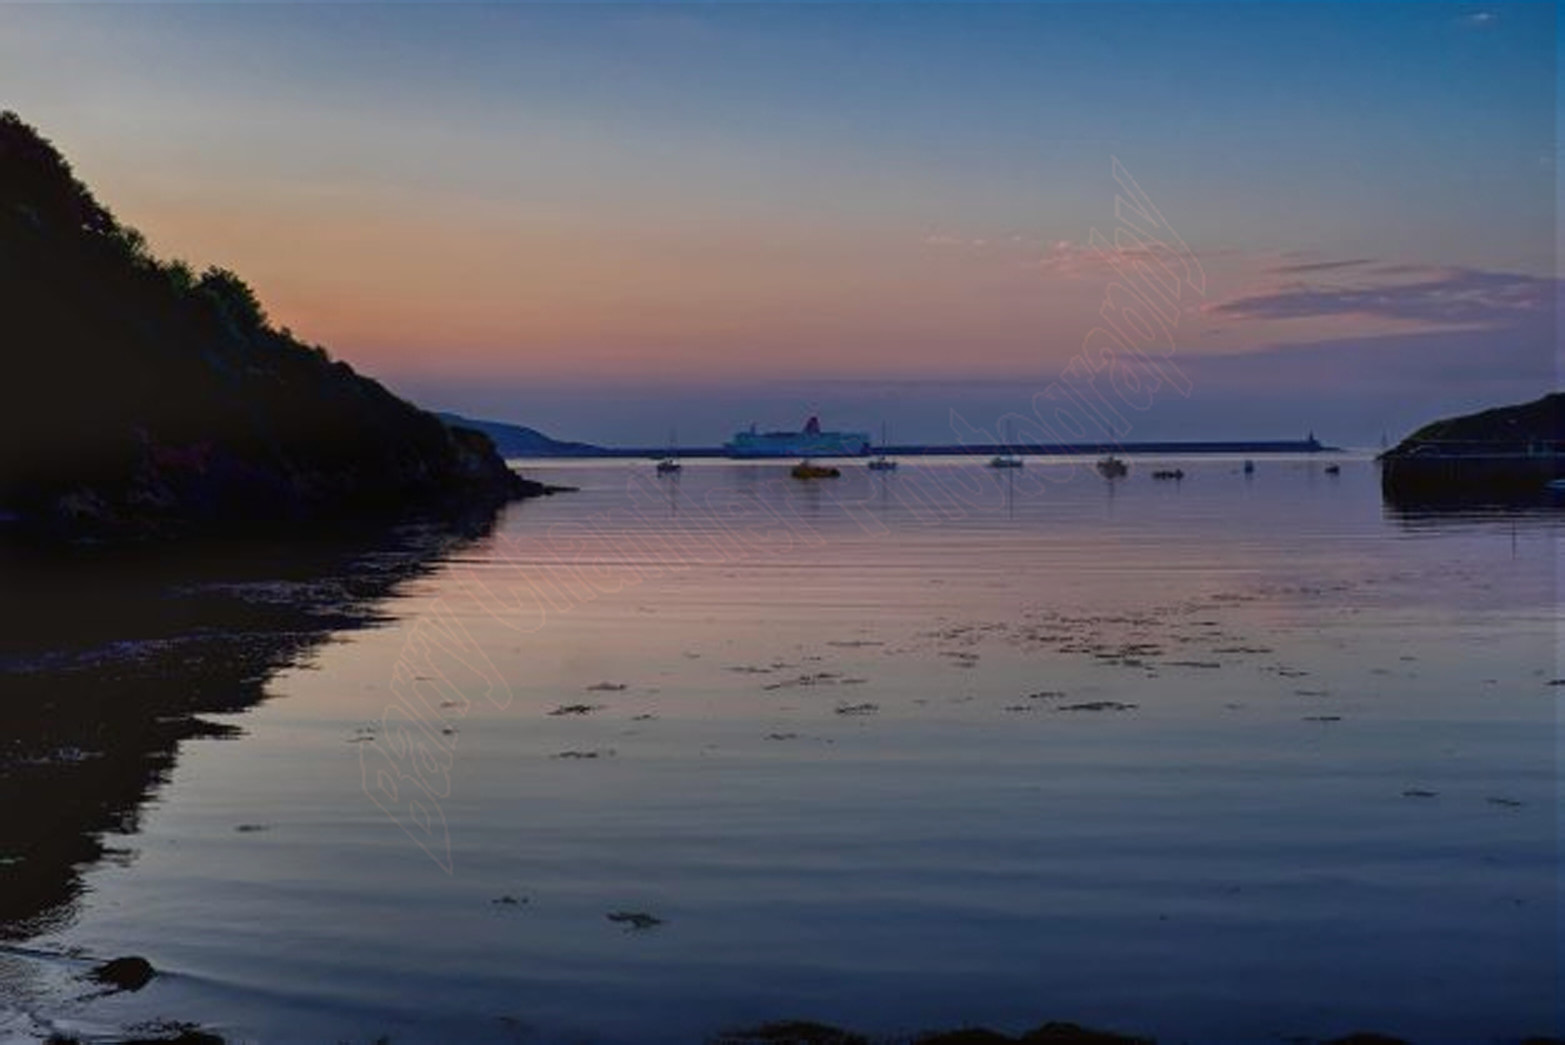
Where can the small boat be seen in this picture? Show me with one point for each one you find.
(1249, 467)
(1176, 474)
(882, 463)
(1112, 467)
(669, 465)
(808, 470)
(1333, 469)
(1007, 460)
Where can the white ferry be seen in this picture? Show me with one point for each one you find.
(812, 442)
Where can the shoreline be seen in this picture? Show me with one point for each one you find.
(808, 1032)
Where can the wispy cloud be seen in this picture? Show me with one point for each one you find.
(1480, 19)
(1449, 297)
(1321, 266)
(937, 239)
(1062, 257)
(1073, 260)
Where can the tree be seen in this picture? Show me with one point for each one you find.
(180, 276)
(234, 298)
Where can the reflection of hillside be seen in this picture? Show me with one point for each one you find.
(107, 659)
(1471, 508)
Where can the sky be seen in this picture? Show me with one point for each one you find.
(610, 220)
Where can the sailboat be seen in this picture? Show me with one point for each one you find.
(670, 465)
(882, 463)
(1006, 460)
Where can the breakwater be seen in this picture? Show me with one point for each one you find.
(1167, 448)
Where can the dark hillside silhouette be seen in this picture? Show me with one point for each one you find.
(1540, 423)
(138, 396)
(1507, 455)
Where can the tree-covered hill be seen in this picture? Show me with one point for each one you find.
(139, 396)
(1512, 429)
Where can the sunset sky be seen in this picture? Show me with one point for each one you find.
(606, 220)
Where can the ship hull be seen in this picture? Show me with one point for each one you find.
(798, 444)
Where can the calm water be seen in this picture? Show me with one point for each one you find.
(1229, 759)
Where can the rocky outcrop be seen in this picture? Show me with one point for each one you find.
(1506, 454)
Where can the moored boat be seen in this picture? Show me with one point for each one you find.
(670, 465)
(882, 463)
(1007, 459)
(1112, 467)
(810, 470)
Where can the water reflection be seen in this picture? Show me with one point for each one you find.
(1277, 761)
(1468, 510)
(110, 656)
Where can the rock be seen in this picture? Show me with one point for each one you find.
(790, 1032)
(125, 974)
(162, 1032)
(804, 1032)
(965, 1036)
(573, 709)
(1072, 1034)
(634, 920)
(858, 709)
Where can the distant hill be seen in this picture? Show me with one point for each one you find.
(520, 441)
(140, 396)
